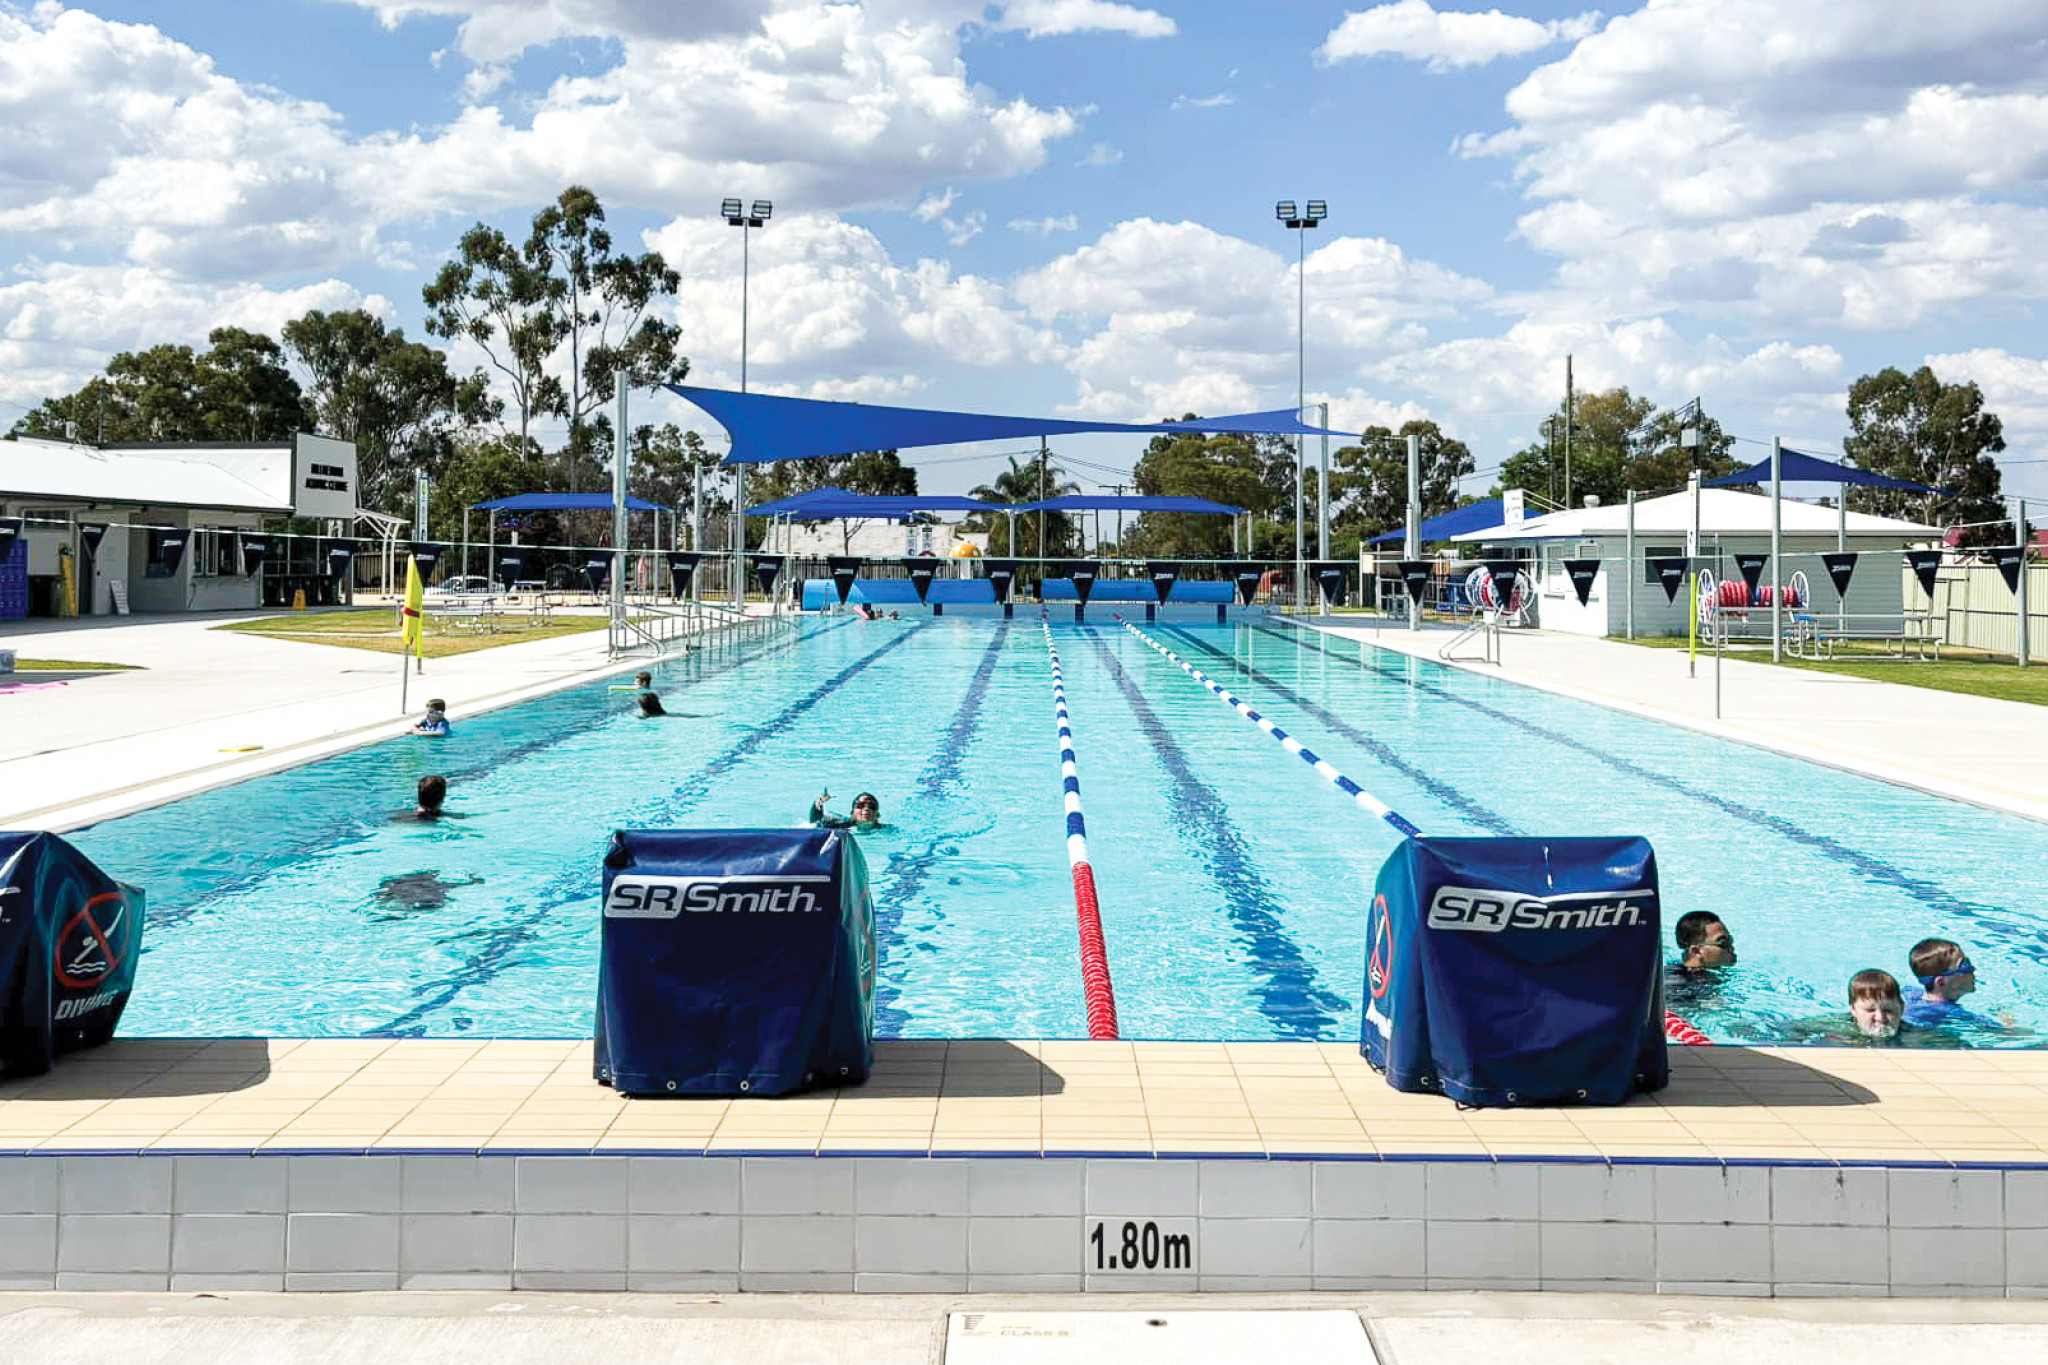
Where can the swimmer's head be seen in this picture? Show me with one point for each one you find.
(643, 679)
(866, 809)
(1875, 1004)
(1704, 940)
(433, 790)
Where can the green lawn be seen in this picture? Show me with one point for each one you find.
(375, 629)
(1956, 671)
(66, 666)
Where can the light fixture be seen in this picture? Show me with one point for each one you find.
(1284, 211)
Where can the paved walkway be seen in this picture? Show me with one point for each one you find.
(421, 1328)
(207, 707)
(1972, 748)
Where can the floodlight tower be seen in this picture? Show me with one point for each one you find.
(757, 216)
(1299, 223)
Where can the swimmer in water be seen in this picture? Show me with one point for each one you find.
(650, 704)
(867, 813)
(433, 790)
(419, 890)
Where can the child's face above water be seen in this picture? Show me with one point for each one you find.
(1876, 1016)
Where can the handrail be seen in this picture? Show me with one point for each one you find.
(1486, 625)
(689, 625)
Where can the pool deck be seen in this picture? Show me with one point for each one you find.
(977, 1165)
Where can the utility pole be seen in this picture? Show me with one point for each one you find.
(1117, 489)
(1042, 458)
(1568, 417)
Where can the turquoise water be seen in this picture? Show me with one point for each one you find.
(1233, 880)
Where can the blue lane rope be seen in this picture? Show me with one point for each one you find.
(1359, 795)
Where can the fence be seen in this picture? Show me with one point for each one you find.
(1976, 610)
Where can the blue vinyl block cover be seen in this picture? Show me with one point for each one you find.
(1517, 971)
(69, 939)
(735, 962)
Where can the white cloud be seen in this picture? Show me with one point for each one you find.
(1445, 38)
(122, 139)
(1202, 102)
(60, 323)
(934, 207)
(1045, 227)
(1052, 18)
(1101, 154)
(1796, 168)
(2015, 387)
(826, 296)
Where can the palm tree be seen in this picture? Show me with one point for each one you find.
(1039, 533)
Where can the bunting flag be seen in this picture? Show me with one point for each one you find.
(767, 568)
(1671, 573)
(1925, 565)
(1329, 576)
(1751, 567)
(1840, 566)
(921, 572)
(92, 533)
(682, 567)
(1001, 574)
(597, 571)
(511, 560)
(845, 568)
(1164, 574)
(166, 550)
(1582, 572)
(1083, 572)
(427, 554)
(255, 549)
(1247, 577)
(339, 554)
(1415, 576)
(1502, 572)
(10, 531)
(2009, 558)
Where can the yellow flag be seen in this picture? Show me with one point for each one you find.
(409, 617)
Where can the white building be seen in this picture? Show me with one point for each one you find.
(1730, 523)
(175, 517)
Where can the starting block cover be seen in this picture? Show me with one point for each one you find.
(69, 937)
(1517, 971)
(735, 962)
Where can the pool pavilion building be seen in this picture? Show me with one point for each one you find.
(1626, 586)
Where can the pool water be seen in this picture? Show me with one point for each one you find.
(1233, 880)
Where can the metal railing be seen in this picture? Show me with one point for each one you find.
(689, 625)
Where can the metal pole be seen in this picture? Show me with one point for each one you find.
(1842, 517)
(1323, 490)
(2026, 650)
(1413, 542)
(1777, 547)
(465, 542)
(1042, 458)
(1569, 416)
(1628, 570)
(621, 526)
(739, 536)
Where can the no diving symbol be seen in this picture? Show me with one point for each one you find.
(1379, 964)
(86, 952)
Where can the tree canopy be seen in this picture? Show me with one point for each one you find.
(1916, 427)
(1369, 481)
(1618, 442)
(238, 389)
(1252, 472)
(1053, 534)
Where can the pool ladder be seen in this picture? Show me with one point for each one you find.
(1486, 626)
(690, 625)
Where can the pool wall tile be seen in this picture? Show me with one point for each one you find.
(227, 1184)
(792, 1244)
(2026, 1259)
(1462, 1254)
(347, 1243)
(1817, 1196)
(910, 1245)
(1823, 1255)
(1966, 1260)
(1702, 1253)
(771, 1185)
(1474, 1192)
(1258, 1249)
(1358, 1189)
(228, 1243)
(2026, 1199)
(343, 1184)
(457, 1184)
(683, 1185)
(683, 1244)
(1243, 1189)
(103, 1185)
(1596, 1193)
(582, 1184)
(27, 1185)
(478, 1245)
(1036, 1188)
(28, 1249)
(1354, 1250)
(1590, 1251)
(1150, 1189)
(1024, 1246)
(123, 1243)
(568, 1244)
(883, 1282)
(924, 1186)
(1713, 1194)
(1946, 1199)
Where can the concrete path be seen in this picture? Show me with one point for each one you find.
(1439, 1329)
(1994, 753)
(207, 707)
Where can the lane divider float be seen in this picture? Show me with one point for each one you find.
(1095, 986)
(1675, 1028)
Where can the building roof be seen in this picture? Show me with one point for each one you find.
(1723, 511)
(153, 477)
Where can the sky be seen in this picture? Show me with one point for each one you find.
(1066, 207)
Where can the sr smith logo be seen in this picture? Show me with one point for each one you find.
(668, 897)
(1490, 911)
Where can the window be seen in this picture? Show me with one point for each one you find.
(216, 552)
(1651, 554)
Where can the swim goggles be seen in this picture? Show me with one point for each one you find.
(1962, 968)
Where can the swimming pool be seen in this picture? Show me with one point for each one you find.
(1233, 881)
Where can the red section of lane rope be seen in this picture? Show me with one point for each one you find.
(1094, 958)
(1678, 1031)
